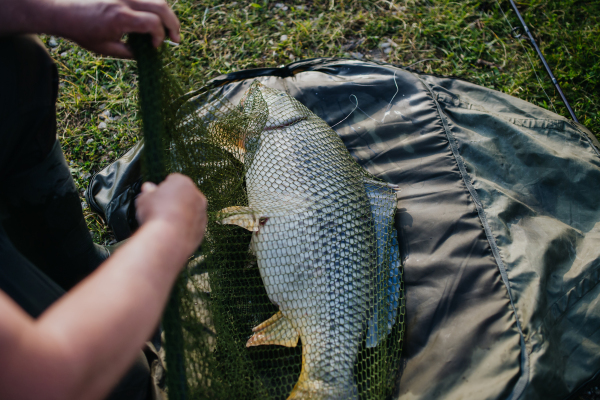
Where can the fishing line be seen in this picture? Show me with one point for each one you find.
(393, 97)
(387, 111)
(351, 112)
(528, 57)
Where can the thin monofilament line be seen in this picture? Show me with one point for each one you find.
(350, 113)
(387, 111)
(529, 58)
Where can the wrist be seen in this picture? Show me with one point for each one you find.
(169, 240)
(64, 18)
(57, 17)
(27, 16)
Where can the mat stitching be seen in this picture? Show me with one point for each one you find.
(522, 382)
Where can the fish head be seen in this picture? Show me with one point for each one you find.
(284, 110)
(275, 109)
(274, 162)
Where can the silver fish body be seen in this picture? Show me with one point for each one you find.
(314, 240)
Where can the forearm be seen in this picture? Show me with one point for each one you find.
(97, 25)
(27, 16)
(72, 19)
(89, 338)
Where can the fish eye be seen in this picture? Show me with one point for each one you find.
(262, 221)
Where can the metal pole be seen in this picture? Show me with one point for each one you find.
(548, 70)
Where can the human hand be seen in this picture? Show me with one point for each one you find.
(99, 25)
(177, 202)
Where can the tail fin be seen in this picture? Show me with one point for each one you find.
(336, 388)
(319, 390)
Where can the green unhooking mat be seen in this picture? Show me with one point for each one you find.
(497, 222)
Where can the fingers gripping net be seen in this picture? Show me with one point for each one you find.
(298, 290)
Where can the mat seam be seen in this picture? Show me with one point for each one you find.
(523, 380)
(587, 137)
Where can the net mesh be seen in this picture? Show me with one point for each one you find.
(297, 292)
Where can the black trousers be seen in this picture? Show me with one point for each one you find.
(28, 93)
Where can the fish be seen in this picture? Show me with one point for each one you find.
(314, 237)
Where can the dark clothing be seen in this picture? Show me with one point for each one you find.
(29, 88)
(45, 221)
(29, 82)
(23, 282)
(28, 93)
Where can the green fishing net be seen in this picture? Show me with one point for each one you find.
(297, 289)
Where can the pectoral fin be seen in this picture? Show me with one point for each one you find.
(276, 330)
(240, 216)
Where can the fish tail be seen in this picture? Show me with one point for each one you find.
(308, 387)
(319, 390)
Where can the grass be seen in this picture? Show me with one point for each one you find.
(470, 39)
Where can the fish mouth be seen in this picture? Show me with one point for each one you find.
(285, 123)
(243, 144)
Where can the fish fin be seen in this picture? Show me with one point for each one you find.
(237, 151)
(235, 147)
(381, 184)
(307, 388)
(276, 330)
(315, 383)
(240, 216)
(383, 199)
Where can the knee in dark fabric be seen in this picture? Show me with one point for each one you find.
(29, 81)
(45, 221)
(30, 288)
